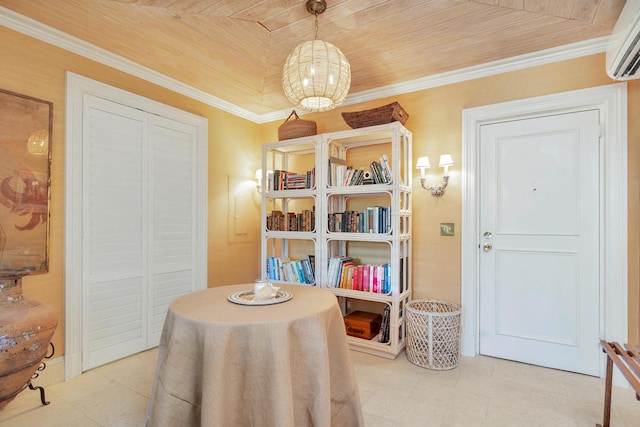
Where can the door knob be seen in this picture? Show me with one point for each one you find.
(487, 247)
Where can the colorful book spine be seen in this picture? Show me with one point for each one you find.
(365, 279)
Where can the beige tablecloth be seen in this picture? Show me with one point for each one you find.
(228, 365)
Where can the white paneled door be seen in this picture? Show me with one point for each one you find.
(539, 241)
(139, 226)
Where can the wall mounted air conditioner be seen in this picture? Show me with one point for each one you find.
(623, 48)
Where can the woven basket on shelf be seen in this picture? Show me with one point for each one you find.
(376, 116)
(296, 128)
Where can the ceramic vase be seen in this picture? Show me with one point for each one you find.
(26, 328)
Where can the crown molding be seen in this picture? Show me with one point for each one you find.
(542, 57)
(47, 34)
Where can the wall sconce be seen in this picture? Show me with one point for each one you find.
(258, 178)
(445, 162)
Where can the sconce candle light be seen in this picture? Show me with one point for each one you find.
(445, 162)
(258, 178)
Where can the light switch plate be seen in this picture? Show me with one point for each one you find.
(447, 229)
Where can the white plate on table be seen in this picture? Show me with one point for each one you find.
(246, 298)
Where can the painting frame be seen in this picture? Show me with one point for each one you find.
(26, 128)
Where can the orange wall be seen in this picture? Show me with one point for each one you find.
(435, 119)
(36, 69)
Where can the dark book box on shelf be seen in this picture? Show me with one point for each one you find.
(362, 324)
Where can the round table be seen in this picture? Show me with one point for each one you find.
(226, 364)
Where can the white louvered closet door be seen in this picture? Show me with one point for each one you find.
(173, 212)
(138, 226)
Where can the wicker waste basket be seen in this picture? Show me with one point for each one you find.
(433, 334)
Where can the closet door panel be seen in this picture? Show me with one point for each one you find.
(114, 284)
(173, 216)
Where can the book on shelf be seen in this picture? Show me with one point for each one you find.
(345, 261)
(311, 178)
(376, 173)
(309, 270)
(338, 221)
(381, 170)
(357, 277)
(374, 279)
(387, 279)
(288, 274)
(365, 278)
(403, 282)
(312, 264)
(335, 164)
(358, 177)
(345, 273)
(386, 168)
(384, 325)
(300, 271)
(348, 176)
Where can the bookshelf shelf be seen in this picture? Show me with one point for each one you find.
(376, 208)
(290, 234)
(293, 194)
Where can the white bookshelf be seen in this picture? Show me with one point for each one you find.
(389, 245)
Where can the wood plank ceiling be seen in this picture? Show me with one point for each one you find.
(234, 49)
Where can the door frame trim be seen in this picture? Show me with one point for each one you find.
(611, 101)
(76, 87)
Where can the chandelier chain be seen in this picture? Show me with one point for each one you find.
(316, 35)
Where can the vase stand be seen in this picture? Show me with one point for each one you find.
(30, 385)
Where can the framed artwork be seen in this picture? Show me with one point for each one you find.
(25, 168)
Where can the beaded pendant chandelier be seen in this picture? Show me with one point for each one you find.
(316, 76)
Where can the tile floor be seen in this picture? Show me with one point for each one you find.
(481, 391)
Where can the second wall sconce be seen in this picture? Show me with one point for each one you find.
(423, 163)
(258, 178)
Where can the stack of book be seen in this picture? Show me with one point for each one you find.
(302, 221)
(291, 270)
(343, 273)
(375, 219)
(341, 175)
(381, 171)
(284, 180)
